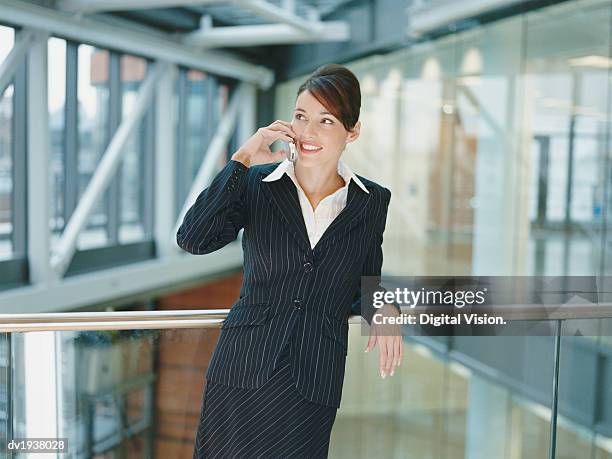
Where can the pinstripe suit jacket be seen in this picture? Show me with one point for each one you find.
(289, 288)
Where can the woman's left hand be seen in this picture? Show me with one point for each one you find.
(389, 339)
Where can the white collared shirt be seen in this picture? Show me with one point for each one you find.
(328, 209)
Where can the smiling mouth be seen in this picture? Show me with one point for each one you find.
(309, 150)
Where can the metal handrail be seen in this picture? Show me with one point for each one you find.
(212, 318)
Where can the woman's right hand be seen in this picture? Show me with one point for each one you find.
(256, 150)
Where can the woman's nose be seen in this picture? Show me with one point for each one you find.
(309, 128)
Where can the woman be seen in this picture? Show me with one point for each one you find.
(311, 231)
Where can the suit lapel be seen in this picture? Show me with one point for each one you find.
(351, 215)
(283, 195)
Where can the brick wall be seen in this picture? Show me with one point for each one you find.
(183, 359)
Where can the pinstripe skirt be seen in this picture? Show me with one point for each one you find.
(272, 421)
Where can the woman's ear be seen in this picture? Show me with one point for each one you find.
(354, 133)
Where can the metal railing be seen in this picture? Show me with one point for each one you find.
(211, 318)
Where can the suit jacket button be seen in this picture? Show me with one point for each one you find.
(308, 266)
(297, 303)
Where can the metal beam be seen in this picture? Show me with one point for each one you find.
(165, 163)
(119, 320)
(70, 141)
(216, 149)
(265, 34)
(205, 318)
(155, 45)
(20, 196)
(261, 8)
(89, 6)
(184, 175)
(272, 12)
(104, 173)
(146, 192)
(248, 114)
(425, 17)
(116, 286)
(8, 67)
(115, 109)
(38, 240)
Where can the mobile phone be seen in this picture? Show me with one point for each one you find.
(292, 156)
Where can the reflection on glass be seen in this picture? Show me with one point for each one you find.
(585, 399)
(568, 84)
(495, 144)
(7, 37)
(114, 387)
(93, 94)
(567, 89)
(107, 385)
(481, 400)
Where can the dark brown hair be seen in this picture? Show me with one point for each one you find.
(337, 89)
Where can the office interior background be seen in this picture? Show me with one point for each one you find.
(489, 120)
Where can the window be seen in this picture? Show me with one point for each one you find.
(7, 39)
(138, 155)
(93, 135)
(198, 97)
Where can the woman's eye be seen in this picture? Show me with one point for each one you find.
(298, 116)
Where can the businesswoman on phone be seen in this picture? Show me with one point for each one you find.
(312, 228)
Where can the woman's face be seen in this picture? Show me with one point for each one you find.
(314, 126)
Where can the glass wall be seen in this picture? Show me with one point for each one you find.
(567, 95)
(111, 393)
(567, 86)
(95, 388)
(495, 143)
(127, 393)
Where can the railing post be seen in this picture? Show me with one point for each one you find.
(555, 392)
